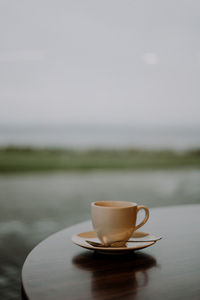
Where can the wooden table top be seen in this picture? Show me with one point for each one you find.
(170, 269)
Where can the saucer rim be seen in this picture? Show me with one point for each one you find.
(76, 239)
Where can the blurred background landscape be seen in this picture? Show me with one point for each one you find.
(99, 100)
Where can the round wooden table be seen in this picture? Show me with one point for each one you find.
(170, 269)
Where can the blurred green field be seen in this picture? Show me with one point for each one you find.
(14, 159)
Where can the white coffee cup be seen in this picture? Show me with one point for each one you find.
(115, 221)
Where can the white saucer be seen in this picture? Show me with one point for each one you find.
(80, 239)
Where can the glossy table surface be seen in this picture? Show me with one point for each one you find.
(59, 270)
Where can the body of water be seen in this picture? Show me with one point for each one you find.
(176, 138)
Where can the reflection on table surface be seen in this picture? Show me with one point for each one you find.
(106, 278)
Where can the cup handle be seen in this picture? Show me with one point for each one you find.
(145, 218)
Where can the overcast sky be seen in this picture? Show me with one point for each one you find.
(100, 61)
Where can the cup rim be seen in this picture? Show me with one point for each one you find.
(121, 204)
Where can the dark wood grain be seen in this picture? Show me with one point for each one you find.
(59, 270)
